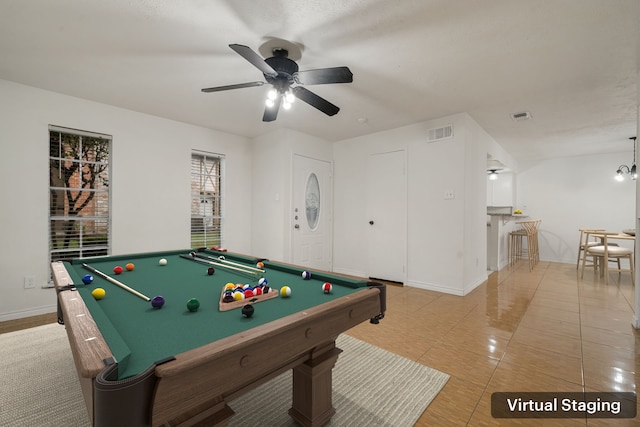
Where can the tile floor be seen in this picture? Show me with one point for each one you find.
(544, 330)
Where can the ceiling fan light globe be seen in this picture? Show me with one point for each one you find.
(270, 102)
(272, 94)
(286, 105)
(289, 98)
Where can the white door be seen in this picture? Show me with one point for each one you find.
(387, 216)
(312, 197)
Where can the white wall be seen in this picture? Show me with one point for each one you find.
(446, 243)
(572, 193)
(150, 185)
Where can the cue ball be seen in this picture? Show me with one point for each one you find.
(210, 271)
(247, 310)
(88, 279)
(130, 266)
(306, 275)
(285, 292)
(193, 304)
(157, 301)
(162, 262)
(327, 288)
(118, 269)
(98, 293)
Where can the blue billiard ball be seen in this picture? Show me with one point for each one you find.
(88, 279)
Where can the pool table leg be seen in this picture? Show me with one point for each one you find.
(312, 388)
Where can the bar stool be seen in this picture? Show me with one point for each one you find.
(530, 232)
(515, 249)
(584, 242)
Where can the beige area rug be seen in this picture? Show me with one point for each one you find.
(371, 387)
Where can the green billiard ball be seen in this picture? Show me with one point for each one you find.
(193, 304)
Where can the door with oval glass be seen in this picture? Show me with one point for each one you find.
(311, 213)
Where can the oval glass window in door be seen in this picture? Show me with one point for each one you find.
(312, 201)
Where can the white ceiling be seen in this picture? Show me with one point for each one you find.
(573, 64)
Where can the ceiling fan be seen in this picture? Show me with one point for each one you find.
(282, 72)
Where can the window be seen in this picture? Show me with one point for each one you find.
(206, 199)
(79, 217)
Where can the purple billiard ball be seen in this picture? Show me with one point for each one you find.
(157, 302)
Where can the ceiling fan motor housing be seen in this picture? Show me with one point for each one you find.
(285, 68)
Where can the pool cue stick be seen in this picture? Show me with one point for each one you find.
(204, 261)
(257, 270)
(115, 282)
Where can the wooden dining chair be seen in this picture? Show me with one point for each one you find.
(606, 253)
(584, 242)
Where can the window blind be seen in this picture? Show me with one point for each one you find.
(206, 199)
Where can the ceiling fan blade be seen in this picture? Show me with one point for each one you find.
(230, 87)
(270, 113)
(255, 59)
(315, 101)
(324, 76)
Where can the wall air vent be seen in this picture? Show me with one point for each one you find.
(438, 134)
(519, 117)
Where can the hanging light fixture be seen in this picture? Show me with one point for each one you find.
(493, 174)
(622, 169)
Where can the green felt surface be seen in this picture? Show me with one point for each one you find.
(139, 334)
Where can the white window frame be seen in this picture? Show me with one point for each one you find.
(101, 201)
(207, 200)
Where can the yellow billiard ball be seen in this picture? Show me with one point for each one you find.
(98, 293)
(285, 292)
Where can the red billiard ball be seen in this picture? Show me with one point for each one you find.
(327, 288)
(117, 269)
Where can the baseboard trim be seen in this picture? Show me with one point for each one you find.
(13, 315)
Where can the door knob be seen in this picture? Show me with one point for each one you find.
(296, 226)
(370, 222)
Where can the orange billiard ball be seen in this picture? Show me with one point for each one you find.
(130, 266)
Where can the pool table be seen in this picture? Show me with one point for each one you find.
(144, 366)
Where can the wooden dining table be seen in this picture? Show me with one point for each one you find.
(605, 237)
